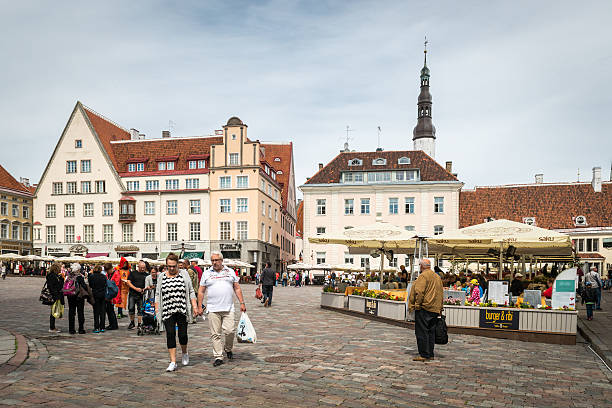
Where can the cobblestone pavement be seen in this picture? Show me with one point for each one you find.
(349, 362)
(7, 346)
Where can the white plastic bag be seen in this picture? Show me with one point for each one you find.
(245, 332)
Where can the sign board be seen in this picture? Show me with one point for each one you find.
(455, 294)
(371, 307)
(564, 293)
(533, 297)
(498, 292)
(373, 285)
(499, 319)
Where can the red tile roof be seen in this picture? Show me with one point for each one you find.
(180, 149)
(284, 152)
(430, 170)
(299, 226)
(554, 206)
(590, 255)
(7, 181)
(107, 131)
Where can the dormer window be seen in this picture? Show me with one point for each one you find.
(403, 160)
(379, 162)
(279, 172)
(355, 162)
(78, 143)
(277, 159)
(580, 221)
(529, 221)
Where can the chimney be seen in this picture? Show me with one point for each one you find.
(596, 183)
(449, 167)
(379, 149)
(539, 178)
(165, 134)
(320, 166)
(24, 181)
(134, 134)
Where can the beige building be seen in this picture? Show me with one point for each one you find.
(15, 215)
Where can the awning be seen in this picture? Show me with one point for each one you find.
(191, 255)
(95, 254)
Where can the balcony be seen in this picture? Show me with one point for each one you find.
(127, 209)
(127, 218)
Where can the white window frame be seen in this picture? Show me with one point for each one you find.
(88, 209)
(88, 233)
(194, 231)
(349, 206)
(242, 230)
(172, 231)
(195, 207)
(242, 205)
(107, 233)
(438, 205)
(149, 207)
(225, 182)
(321, 206)
(225, 205)
(107, 209)
(225, 230)
(171, 207)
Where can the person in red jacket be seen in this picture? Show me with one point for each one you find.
(113, 275)
(548, 292)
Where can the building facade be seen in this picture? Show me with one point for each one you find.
(583, 210)
(15, 215)
(111, 191)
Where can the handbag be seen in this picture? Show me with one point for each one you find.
(258, 294)
(45, 296)
(57, 310)
(441, 330)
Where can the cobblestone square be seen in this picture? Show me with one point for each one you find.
(348, 362)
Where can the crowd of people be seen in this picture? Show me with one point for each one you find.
(176, 290)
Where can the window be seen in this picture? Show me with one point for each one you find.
(241, 229)
(4, 231)
(151, 185)
(170, 165)
(85, 187)
(409, 227)
(225, 205)
(393, 204)
(25, 212)
(269, 211)
(263, 186)
(71, 187)
(15, 211)
(58, 188)
(69, 234)
(225, 182)
(100, 186)
(355, 162)
(128, 232)
(171, 206)
(139, 166)
(51, 238)
(276, 194)
(149, 207)
(279, 172)
(592, 244)
(393, 262)
(85, 166)
(4, 208)
(403, 160)
(108, 233)
(379, 162)
(161, 166)
(133, 185)
(263, 232)
(242, 181)
(37, 234)
(192, 183)
(270, 234)
(88, 210)
(242, 205)
(88, 233)
(71, 166)
(172, 184)
(149, 229)
(348, 258)
(68, 210)
(408, 175)
(15, 234)
(194, 206)
(365, 262)
(78, 143)
(358, 177)
(50, 210)
(194, 231)
(263, 208)
(438, 229)
(193, 164)
(320, 230)
(224, 230)
(347, 177)
(320, 258)
(409, 205)
(275, 215)
(580, 220)
(320, 206)
(201, 164)
(172, 231)
(438, 204)
(233, 159)
(349, 206)
(379, 177)
(131, 167)
(270, 190)
(107, 209)
(25, 233)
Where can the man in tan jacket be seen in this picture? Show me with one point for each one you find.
(425, 300)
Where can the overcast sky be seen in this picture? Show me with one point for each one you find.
(519, 88)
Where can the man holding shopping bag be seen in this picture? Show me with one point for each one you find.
(221, 283)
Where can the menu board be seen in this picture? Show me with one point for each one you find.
(499, 319)
(498, 292)
(564, 294)
(371, 307)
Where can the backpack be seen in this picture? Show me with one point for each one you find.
(111, 290)
(70, 287)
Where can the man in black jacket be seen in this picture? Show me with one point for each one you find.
(268, 277)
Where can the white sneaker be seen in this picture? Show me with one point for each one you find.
(185, 359)
(55, 331)
(171, 367)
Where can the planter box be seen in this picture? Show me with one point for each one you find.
(531, 320)
(388, 309)
(336, 300)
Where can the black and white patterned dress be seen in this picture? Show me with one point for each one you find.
(173, 295)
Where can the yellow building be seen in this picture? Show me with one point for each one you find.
(15, 215)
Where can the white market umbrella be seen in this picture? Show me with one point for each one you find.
(11, 257)
(301, 265)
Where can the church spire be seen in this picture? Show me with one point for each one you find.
(424, 133)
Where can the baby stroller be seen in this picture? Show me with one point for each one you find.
(150, 325)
